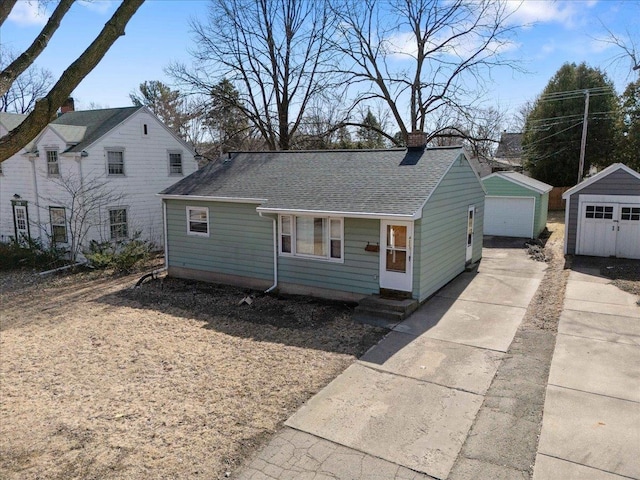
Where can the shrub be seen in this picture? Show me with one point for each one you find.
(123, 257)
(30, 253)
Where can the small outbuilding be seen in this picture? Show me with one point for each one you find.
(515, 206)
(602, 216)
(339, 224)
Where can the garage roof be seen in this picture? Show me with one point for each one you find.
(522, 180)
(607, 171)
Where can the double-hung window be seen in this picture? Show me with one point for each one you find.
(118, 226)
(313, 237)
(53, 167)
(175, 163)
(115, 162)
(198, 221)
(58, 224)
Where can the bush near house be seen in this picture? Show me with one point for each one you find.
(122, 257)
(30, 253)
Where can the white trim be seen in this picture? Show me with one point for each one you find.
(328, 213)
(609, 198)
(190, 208)
(204, 198)
(607, 171)
(165, 231)
(384, 275)
(567, 209)
(507, 177)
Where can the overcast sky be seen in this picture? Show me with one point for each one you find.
(559, 31)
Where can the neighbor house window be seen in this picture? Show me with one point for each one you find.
(53, 167)
(175, 163)
(118, 227)
(115, 162)
(58, 224)
(198, 221)
(316, 237)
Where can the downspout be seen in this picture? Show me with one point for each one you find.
(166, 241)
(275, 254)
(35, 191)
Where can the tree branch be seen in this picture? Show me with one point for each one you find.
(47, 107)
(5, 9)
(24, 61)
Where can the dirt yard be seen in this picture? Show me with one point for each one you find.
(172, 380)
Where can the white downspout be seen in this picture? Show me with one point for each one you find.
(35, 191)
(166, 241)
(275, 254)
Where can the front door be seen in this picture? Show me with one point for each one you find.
(396, 256)
(470, 223)
(21, 222)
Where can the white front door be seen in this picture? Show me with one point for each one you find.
(396, 255)
(628, 231)
(21, 222)
(598, 229)
(470, 222)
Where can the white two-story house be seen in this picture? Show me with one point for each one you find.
(91, 175)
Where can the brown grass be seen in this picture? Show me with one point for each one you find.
(173, 380)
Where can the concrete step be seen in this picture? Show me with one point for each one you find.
(399, 305)
(384, 312)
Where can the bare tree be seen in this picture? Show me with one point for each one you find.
(45, 109)
(429, 54)
(31, 85)
(274, 52)
(85, 202)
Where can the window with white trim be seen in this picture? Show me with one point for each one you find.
(118, 226)
(53, 167)
(198, 221)
(115, 162)
(58, 221)
(313, 237)
(175, 163)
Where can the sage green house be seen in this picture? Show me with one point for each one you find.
(335, 223)
(516, 205)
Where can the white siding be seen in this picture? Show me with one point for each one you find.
(146, 173)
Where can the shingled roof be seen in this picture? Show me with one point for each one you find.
(90, 125)
(393, 182)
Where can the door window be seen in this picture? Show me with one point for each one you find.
(397, 248)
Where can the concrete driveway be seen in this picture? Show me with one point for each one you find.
(591, 422)
(405, 409)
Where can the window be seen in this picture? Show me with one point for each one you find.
(118, 223)
(175, 163)
(115, 162)
(58, 224)
(630, 213)
(316, 237)
(198, 221)
(145, 130)
(599, 211)
(53, 167)
(0, 168)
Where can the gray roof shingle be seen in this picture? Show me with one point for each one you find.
(385, 182)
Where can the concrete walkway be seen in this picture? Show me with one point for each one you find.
(405, 409)
(591, 423)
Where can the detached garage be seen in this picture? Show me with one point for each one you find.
(515, 205)
(602, 216)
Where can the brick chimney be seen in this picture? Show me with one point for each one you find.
(67, 106)
(416, 140)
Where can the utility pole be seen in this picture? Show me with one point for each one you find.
(583, 142)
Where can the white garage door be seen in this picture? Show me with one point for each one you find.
(509, 216)
(609, 229)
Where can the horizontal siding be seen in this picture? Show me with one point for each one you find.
(616, 183)
(240, 241)
(443, 230)
(359, 272)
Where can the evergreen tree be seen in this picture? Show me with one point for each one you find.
(368, 134)
(229, 126)
(628, 151)
(553, 129)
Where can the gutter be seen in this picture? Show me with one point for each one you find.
(275, 254)
(164, 228)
